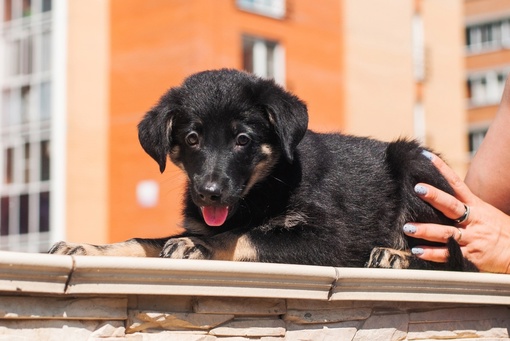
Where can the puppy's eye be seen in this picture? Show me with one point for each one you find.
(242, 139)
(192, 138)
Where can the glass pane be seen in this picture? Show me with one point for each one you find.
(26, 160)
(496, 34)
(478, 91)
(9, 166)
(4, 216)
(46, 51)
(25, 103)
(468, 89)
(247, 54)
(486, 34)
(45, 160)
(475, 36)
(14, 107)
(505, 33)
(270, 59)
(27, 55)
(46, 5)
(15, 57)
(23, 214)
(272, 8)
(6, 107)
(45, 101)
(27, 8)
(44, 212)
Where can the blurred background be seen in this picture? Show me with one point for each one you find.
(76, 77)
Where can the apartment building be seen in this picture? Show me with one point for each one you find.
(487, 44)
(77, 76)
(26, 123)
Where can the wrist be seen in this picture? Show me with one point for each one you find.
(504, 266)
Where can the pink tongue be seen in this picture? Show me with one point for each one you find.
(215, 215)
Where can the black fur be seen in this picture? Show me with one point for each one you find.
(323, 199)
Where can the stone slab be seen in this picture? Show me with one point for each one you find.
(239, 306)
(461, 314)
(326, 316)
(150, 320)
(251, 328)
(63, 308)
(384, 327)
(459, 329)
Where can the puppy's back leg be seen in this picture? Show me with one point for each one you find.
(136, 247)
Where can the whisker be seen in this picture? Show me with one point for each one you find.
(280, 180)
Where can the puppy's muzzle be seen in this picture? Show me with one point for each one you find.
(210, 192)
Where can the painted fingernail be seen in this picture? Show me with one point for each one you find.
(427, 154)
(420, 190)
(408, 228)
(418, 251)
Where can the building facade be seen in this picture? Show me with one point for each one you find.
(26, 85)
(72, 167)
(487, 44)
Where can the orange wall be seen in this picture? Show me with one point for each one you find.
(379, 71)
(157, 43)
(445, 78)
(488, 60)
(477, 8)
(86, 211)
(482, 115)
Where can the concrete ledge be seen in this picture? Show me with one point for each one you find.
(75, 275)
(26, 272)
(421, 286)
(48, 297)
(203, 278)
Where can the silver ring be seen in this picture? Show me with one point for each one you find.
(460, 235)
(463, 217)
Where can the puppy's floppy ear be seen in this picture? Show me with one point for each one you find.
(289, 116)
(154, 133)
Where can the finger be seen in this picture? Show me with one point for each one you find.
(433, 232)
(442, 201)
(461, 190)
(430, 253)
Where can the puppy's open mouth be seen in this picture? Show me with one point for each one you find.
(214, 215)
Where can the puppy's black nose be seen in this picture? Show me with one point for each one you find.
(210, 192)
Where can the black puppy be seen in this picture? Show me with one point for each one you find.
(261, 187)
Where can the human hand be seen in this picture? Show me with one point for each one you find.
(484, 236)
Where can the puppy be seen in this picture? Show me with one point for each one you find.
(263, 188)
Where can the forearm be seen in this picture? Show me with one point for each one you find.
(489, 174)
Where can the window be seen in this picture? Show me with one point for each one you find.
(418, 48)
(420, 127)
(488, 36)
(476, 137)
(25, 146)
(270, 8)
(264, 58)
(486, 88)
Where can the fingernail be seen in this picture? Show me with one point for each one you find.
(420, 190)
(408, 228)
(417, 251)
(427, 154)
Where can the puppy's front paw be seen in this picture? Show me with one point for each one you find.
(186, 248)
(64, 248)
(382, 257)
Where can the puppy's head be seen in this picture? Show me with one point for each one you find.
(226, 129)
